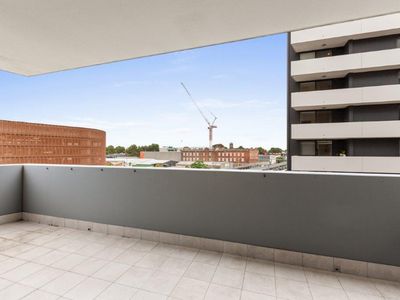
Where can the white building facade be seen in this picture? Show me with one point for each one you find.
(344, 97)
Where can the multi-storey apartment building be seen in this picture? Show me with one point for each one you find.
(22, 142)
(221, 155)
(344, 97)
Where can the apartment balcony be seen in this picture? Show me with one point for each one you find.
(337, 35)
(106, 232)
(346, 130)
(371, 164)
(342, 98)
(341, 65)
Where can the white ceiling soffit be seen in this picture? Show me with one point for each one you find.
(44, 36)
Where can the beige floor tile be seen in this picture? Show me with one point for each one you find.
(161, 282)
(220, 292)
(41, 295)
(184, 253)
(229, 277)
(111, 271)
(109, 253)
(91, 249)
(15, 291)
(87, 289)
(68, 262)
(5, 283)
(208, 257)
(63, 283)
(260, 267)
(145, 295)
(329, 279)
(388, 289)
(143, 245)
(164, 249)
(321, 292)
(42, 277)
(200, 271)
(152, 261)
(50, 257)
(190, 289)
(130, 257)
(9, 264)
(89, 266)
(259, 283)
(175, 266)
(292, 289)
(246, 295)
(21, 271)
(117, 292)
(358, 284)
(233, 262)
(361, 296)
(135, 277)
(290, 272)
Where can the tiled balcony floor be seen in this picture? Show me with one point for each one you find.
(43, 262)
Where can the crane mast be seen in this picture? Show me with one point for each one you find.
(211, 125)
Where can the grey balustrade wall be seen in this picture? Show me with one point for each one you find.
(10, 189)
(342, 215)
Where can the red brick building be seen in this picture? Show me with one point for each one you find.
(240, 156)
(22, 142)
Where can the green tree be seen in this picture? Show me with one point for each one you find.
(240, 147)
(199, 165)
(218, 146)
(132, 150)
(275, 150)
(110, 150)
(119, 149)
(262, 151)
(280, 159)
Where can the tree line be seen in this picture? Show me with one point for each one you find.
(132, 150)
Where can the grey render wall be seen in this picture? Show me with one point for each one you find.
(10, 189)
(349, 216)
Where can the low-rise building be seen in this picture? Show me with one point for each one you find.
(238, 156)
(139, 162)
(165, 155)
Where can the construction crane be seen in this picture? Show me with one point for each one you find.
(211, 125)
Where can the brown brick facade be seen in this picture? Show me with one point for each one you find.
(239, 156)
(22, 142)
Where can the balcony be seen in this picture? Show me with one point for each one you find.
(337, 35)
(370, 164)
(342, 98)
(346, 130)
(341, 65)
(91, 231)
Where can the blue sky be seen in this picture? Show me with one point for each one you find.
(141, 101)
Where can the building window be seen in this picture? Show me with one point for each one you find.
(324, 116)
(307, 117)
(307, 55)
(307, 86)
(323, 85)
(323, 53)
(320, 116)
(324, 148)
(307, 148)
